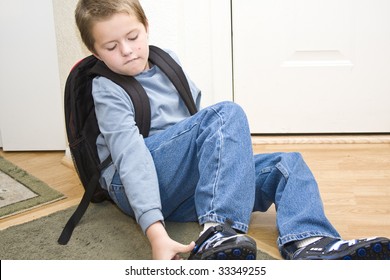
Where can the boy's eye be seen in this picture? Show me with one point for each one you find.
(111, 48)
(133, 38)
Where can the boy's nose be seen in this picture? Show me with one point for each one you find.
(126, 50)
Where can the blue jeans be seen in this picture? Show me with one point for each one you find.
(207, 173)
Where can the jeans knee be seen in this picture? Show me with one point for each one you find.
(291, 158)
(296, 156)
(228, 119)
(230, 106)
(231, 110)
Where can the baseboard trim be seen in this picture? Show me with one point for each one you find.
(321, 139)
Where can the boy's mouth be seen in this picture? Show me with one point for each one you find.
(130, 60)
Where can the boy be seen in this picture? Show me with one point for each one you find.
(197, 168)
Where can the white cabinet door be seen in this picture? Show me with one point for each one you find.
(313, 66)
(31, 112)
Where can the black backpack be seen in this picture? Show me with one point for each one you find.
(82, 128)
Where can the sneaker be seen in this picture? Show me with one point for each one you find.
(223, 243)
(326, 248)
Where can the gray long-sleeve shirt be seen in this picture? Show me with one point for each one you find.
(120, 137)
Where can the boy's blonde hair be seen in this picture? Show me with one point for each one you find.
(88, 12)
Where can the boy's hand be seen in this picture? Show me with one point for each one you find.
(170, 250)
(163, 247)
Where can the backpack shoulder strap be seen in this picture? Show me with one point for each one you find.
(80, 210)
(175, 74)
(136, 92)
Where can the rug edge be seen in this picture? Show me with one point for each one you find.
(46, 194)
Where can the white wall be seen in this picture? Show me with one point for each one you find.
(70, 48)
(199, 32)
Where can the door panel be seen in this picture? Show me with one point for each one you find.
(31, 111)
(312, 66)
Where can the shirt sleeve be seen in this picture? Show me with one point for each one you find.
(132, 159)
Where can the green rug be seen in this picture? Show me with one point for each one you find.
(104, 233)
(19, 191)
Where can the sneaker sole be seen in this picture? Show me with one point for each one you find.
(241, 251)
(376, 249)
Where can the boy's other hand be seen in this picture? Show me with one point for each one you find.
(163, 247)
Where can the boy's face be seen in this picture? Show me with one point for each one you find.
(121, 42)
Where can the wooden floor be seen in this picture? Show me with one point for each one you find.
(354, 181)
